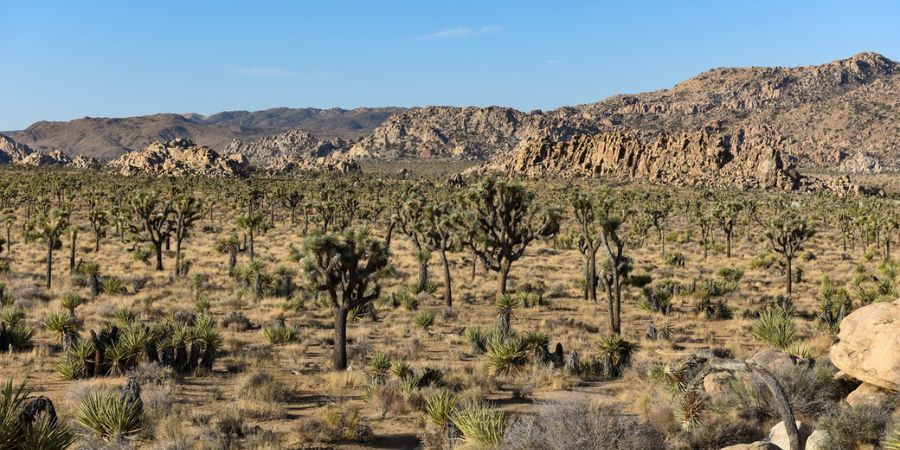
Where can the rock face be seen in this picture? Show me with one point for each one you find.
(289, 144)
(176, 158)
(293, 164)
(445, 132)
(12, 151)
(41, 159)
(867, 393)
(869, 347)
(740, 158)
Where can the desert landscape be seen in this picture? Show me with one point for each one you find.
(712, 265)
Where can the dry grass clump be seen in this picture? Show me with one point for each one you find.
(260, 394)
(343, 423)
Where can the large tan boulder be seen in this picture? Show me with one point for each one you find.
(816, 440)
(869, 347)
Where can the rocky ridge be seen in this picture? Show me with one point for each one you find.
(178, 157)
(288, 144)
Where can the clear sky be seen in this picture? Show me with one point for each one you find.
(68, 59)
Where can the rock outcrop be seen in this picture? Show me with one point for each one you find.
(176, 158)
(743, 159)
(285, 165)
(291, 144)
(12, 151)
(869, 346)
(41, 159)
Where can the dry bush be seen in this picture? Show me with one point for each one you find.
(579, 425)
(337, 423)
(260, 394)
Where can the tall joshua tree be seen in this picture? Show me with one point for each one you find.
(441, 235)
(252, 223)
(657, 208)
(504, 218)
(99, 221)
(590, 241)
(411, 220)
(230, 245)
(290, 197)
(726, 214)
(151, 221)
(186, 211)
(617, 266)
(346, 265)
(48, 228)
(787, 235)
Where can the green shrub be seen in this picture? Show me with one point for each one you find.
(775, 327)
(42, 433)
(109, 415)
(424, 319)
(854, 427)
(505, 354)
(281, 335)
(479, 424)
(439, 407)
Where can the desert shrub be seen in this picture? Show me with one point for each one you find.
(718, 431)
(281, 335)
(763, 261)
(834, 304)
(775, 327)
(14, 334)
(235, 321)
(260, 394)
(338, 423)
(615, 354)
(424, 318)
(477, 338)
(656, 299)
(479, 424)
(675, 259)
(854, 426)
(439, 407)
(579, 425)
(112, 285)
(378, 365)
(109, 415)
(386, 398)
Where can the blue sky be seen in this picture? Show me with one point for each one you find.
(65, 59)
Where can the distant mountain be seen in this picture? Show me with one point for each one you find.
(107, 138)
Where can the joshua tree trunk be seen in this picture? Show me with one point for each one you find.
(252, 253)
(591, 276)
(790, 275)
(728, 244)
(232, 260)
(503, 274)
(448, 294)
(157, 246)
(97, 242)
(49, 264)
(389, 234)
(422, 283)
(340, 339)
(72, 251)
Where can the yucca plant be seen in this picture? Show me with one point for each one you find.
(43, 432)
(112, 285)
(63, 326)
(379, 364)
(281, 335)
(70, 301)
(615, 352)
(401, 369)
(10, 316)
(506, 311)
(17, 337)
(477, 338)
(775, 327)
(439, 407)
(688, 409)
(505, 354)
(424, 319)
(109, 415)
(479, 424)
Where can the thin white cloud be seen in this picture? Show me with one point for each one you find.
(259, 71)
(461, 32)
(554, 61)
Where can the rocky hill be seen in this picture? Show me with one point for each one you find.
(178, 157)
(840, 115)
(12, 151)
(826, 114)
(107, 138)
(287, 144)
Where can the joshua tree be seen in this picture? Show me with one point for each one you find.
(73, 233)
(230, 245)
(586, 217)
(411, 220)
(290, 197)
(186, 210)
(617, 266)
(441, 222)
(346, 266)
(48, 227)
(99, 220)
(657, 208)
(504, 218)
(726, 214)
(252, 223)
(705, 222)
(787, 235)
(151, 215)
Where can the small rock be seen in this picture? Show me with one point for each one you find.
(816, 440)
(773, 360)
(778, 435)
(759, 445)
